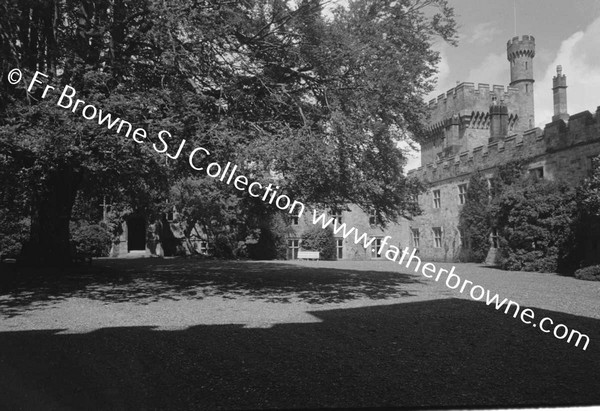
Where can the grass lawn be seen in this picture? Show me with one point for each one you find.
(190, 334)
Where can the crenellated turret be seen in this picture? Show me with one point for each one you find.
(520, 52)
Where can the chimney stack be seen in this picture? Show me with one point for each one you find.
(498, 120)
(559, 90)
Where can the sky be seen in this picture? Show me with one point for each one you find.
(566, 33)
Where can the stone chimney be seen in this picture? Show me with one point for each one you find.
(498, 120)
(559, 90)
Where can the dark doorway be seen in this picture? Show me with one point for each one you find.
(136, 234)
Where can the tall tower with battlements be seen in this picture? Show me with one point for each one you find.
(520, 52)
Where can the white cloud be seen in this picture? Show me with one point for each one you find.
(482, 33)
(493, 69)
(580, 60)
(443, 69)
(412, 152)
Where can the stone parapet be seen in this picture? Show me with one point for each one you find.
(582, 128)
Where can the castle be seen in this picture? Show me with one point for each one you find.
(472, 129)
(478, 129)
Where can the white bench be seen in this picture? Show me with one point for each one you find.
(308, 255)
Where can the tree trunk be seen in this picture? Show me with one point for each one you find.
(49, 240)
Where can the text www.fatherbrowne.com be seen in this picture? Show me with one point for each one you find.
(453, 281)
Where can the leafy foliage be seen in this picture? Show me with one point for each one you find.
(93, 240)
(587, 225)
(269, 85)
(322, 240)
(14, 232)
(535, 220)
(474, 220)
(506, 175)
(591, 273)
(271, 238)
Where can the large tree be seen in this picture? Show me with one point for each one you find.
(320, 100)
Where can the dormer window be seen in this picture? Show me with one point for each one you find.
(372, 216)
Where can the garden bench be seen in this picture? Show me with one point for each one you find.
(308, 255)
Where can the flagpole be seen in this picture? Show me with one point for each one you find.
(515, 15)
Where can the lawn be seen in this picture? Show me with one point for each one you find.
(190, 334)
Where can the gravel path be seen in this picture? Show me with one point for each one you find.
(189, 334)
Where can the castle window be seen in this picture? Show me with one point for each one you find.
(526, 88)
(295, 218)
(170, 216)
(415, 237)
(462, 193)
(372, 216)
(525, 65)
(339, 246)
(437, 199)
(495, 240)
(293, 247)
(204, 247)
(375, 247)
(537, 172)
(437, 237)
(337, 215)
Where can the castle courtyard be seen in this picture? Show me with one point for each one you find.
(205, 334)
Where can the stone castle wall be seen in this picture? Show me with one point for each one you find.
(460, 118)
(563, 151)
(465, 98)
(557, 137)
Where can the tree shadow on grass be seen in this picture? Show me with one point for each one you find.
(144, 281)
(441, 353)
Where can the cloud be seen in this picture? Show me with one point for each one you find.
(482, 33)
(494, 69)
(412, 152)
(443, 71)
(580, 60)
(443, 67)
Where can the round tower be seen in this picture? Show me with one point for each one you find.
(520, 52)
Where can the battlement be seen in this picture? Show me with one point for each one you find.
(466, 98)
(582, 128)
(520, 47)
(560, 80)
(524, 39)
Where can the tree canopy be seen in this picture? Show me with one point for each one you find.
(319, 100)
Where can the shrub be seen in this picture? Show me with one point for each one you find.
(91, 239)
(271, 241)
(13, 233)
(535, 219)
(587, 227)
(591, 273)
(321, 240)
